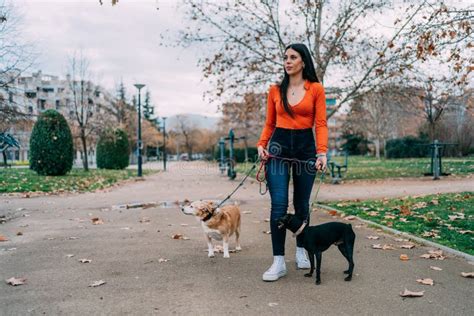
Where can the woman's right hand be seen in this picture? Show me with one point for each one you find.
(262, 152)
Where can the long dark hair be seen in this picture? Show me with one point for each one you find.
(309, 73)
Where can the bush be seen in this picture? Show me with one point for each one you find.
(239, 154)
(51, 147)
(113, 150)
(407, 147)
(355, 144)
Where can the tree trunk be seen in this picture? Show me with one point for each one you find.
(4, 154)
(377, 148)
(84, 149)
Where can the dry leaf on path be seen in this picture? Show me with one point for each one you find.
(389, 216)
(97, 283)
(407, 246)
(179, 236)
(404, 257)
(162, 260)
(425, 281)
(267, 232)
(332, 213)
(3, 238)
(96, 221)
(388, 247)
(408, 293)
(16, 281)
(434, 254)
(350, 217)
(247, 212)
(467, 274)
(376, 246)
(435, 268)
(144, 220)
(85, 260)
(70, 255)
(19, 234)
(373, 237)
(272, 304)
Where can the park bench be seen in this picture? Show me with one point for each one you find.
(336, 168)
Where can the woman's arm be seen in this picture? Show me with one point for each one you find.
(321, 128)
(270, 121)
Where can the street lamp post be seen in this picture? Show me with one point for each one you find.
(139, 143)
(164, 143)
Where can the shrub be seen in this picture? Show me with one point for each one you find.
(407, 147)
(355, 144)
(113, 150)
(239, 154)
(51, 147)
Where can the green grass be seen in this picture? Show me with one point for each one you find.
(427, 217)
(25, 180)
(367, 168)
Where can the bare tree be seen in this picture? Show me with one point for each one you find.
(82, 90)
(245, 117)
(188, 132)
(16, 56)
(245, 40)
(379, 114)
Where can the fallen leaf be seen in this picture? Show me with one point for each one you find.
(373, 213)
(400, 239)
(389, 216)
(456, 216)
(70, 238)
(247, 212)
(162, 260)
(376, 246)
(97, 283)
(96, 221)
(429, 234)
(404, 257)
(359, 226)
(388, 247)
(3, 238)
(179, 236)
(267, 232)
(425, 281)
(467, 274)
(332, 213)
(403, 219)
(434, 254)
(350, 217)
(407, 246)
(85, 260)
(408, 293)
(144, 220)
(434, 202)
(19, 234)
(16, 281)
(435, 268)
(272, 304)
(70, 255)
(418, 205)
(404, 210)
(463, 232)
(373, 237)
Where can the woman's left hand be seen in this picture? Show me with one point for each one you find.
(321, 162)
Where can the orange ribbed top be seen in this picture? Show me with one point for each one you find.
(309, 112)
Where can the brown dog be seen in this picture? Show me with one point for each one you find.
(218, 224)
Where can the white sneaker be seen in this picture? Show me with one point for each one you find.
(277, 270)
(302, 261)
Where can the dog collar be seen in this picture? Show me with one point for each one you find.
(208, 216)
(300, 230)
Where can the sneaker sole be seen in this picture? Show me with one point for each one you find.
(272, 278)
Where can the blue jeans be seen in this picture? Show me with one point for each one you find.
(297, 144)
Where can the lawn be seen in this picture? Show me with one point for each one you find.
(447, 219)
(360, 168)
(26, 180)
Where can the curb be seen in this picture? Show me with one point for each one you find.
(452, 251)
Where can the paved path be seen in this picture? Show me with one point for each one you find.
(125, 253)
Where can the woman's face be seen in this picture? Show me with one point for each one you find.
(293, 62)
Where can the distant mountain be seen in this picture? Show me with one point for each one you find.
(197, 120)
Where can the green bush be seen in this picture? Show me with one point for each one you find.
(239, 154)
(355, 144)
(113, 150)
(407, 147)
(51, 147)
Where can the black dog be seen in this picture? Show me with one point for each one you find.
(319, 238)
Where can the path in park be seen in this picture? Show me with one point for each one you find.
(126, 249)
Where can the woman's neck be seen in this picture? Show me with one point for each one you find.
(296, 80)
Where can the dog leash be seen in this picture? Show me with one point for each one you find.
(240, 184)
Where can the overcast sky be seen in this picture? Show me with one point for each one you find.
(122, 42)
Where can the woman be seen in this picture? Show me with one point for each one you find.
(293, 108)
